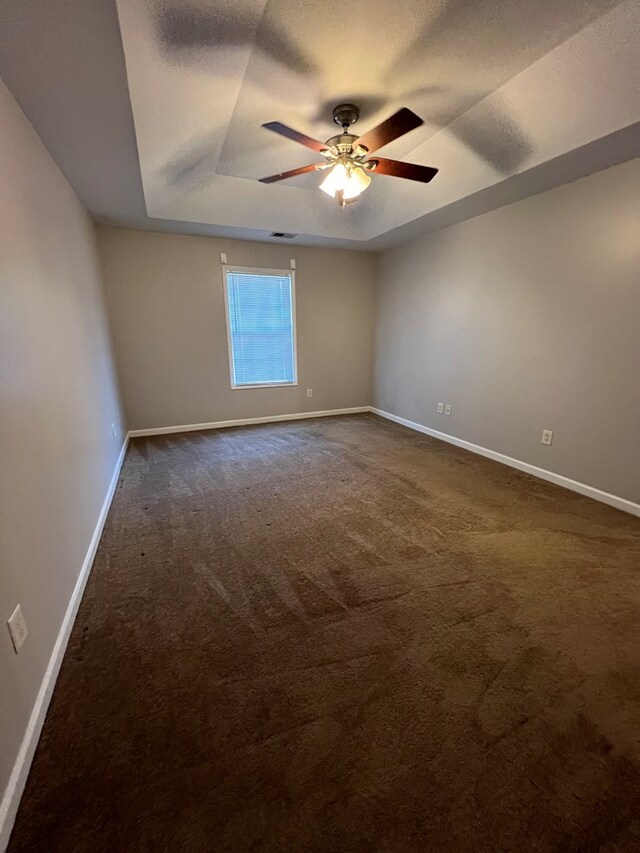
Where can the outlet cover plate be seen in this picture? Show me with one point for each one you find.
(547, 436)
(440, 408)
(448, 409)
(17, 628)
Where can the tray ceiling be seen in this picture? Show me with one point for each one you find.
(153, 108)
(502, 87)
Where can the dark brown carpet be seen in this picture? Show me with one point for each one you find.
(341, 635)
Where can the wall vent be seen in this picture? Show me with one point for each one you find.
(283, 235)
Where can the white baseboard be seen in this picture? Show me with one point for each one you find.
(247, 421)
(20, 772)
(551, 477)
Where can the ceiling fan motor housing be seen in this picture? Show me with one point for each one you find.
(343, 142)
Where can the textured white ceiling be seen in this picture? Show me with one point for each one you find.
(502, 87)
(516, 96)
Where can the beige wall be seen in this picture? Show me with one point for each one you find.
(58, 401)
(525, 318)
(166, 305)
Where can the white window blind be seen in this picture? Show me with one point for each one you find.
(260, 316)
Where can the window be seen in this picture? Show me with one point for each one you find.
(260, 307)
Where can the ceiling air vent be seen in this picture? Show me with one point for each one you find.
(283, 235)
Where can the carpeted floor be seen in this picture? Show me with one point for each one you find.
(341, 635)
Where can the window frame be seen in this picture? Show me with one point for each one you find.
(291, 274)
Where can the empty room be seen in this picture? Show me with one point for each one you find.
(320, 426)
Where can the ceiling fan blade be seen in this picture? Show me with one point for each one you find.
(290, 174)
(394, 127)
(295, 135)
(401, 170)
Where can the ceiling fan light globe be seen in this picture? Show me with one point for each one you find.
(335, 180)
(348, 181)
(357, 182)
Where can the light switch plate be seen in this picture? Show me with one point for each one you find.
(309, 392)
(448, 409)
(17, 628)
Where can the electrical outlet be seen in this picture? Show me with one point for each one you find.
(547, 436)
(448, 409)
(113, 430)
(309, 392)
(440, 408)
(17, 628)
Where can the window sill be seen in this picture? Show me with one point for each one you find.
(264, 385)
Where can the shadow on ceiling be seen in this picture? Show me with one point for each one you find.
(490, 131)
(184, 30)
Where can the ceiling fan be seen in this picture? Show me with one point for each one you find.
(348, 157)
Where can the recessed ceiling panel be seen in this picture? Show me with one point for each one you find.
(501, 86)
